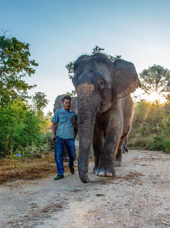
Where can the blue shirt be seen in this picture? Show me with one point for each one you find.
(64, 119)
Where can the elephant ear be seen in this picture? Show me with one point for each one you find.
(125, 78)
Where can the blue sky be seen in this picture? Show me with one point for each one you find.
(60, 31)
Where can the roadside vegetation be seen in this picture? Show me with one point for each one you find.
(151, 127)
(24, 129)
(25, 132)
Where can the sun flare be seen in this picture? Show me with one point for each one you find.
(154, 96)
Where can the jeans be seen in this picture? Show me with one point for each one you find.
(59, 146)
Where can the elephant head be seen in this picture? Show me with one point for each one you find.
(99, 83)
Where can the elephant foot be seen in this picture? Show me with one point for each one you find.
(118, 163)
(101, 172)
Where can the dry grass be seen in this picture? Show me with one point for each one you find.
(28, 169)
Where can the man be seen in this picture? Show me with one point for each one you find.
(64, 135)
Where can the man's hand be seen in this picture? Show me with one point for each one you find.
(53, 138)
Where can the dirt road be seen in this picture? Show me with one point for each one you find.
(138, 197)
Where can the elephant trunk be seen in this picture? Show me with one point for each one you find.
(85, 140)
(86, 115)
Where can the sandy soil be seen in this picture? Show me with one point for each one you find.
(138, 197)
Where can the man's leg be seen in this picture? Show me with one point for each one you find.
(70, 145)
(59, 146)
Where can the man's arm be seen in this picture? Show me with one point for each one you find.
(54, 126)
(54, 120)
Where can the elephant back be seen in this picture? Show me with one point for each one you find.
(58, 103)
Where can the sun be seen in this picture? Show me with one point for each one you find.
(154, 96)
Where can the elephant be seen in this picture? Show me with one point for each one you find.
(105, 110)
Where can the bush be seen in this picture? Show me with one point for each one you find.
(151, 127)
(162, 143)
(21, 127)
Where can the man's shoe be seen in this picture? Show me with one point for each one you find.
(58, 177)
(72, 170)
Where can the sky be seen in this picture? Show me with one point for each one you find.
(60, 31)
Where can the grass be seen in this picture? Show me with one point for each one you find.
(150, 142)
(30, 169)
(27, 169)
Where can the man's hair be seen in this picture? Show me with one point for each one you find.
(68, 97)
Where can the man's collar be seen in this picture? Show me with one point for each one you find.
(66, 110)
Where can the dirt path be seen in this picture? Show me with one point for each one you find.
(138, 197)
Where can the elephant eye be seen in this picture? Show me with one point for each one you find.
(101, 85)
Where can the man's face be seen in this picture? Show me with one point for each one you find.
(67, 104)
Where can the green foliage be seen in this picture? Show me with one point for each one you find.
(40, 101)
(73, 93)
(70, 68)
(32, 150)
(156, 79)
(70, 65)
(151, 127)
(97, 49)
(21, 127)
(161, 142)
(14, 66)
(142, 110)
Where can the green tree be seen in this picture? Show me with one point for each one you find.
(40, 101)
(15, 64)
(95, 50)
(156, 79)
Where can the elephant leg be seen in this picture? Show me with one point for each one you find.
(121, 149)
(125, 148)
(106, 163)
(98, 140)
(118, 159)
